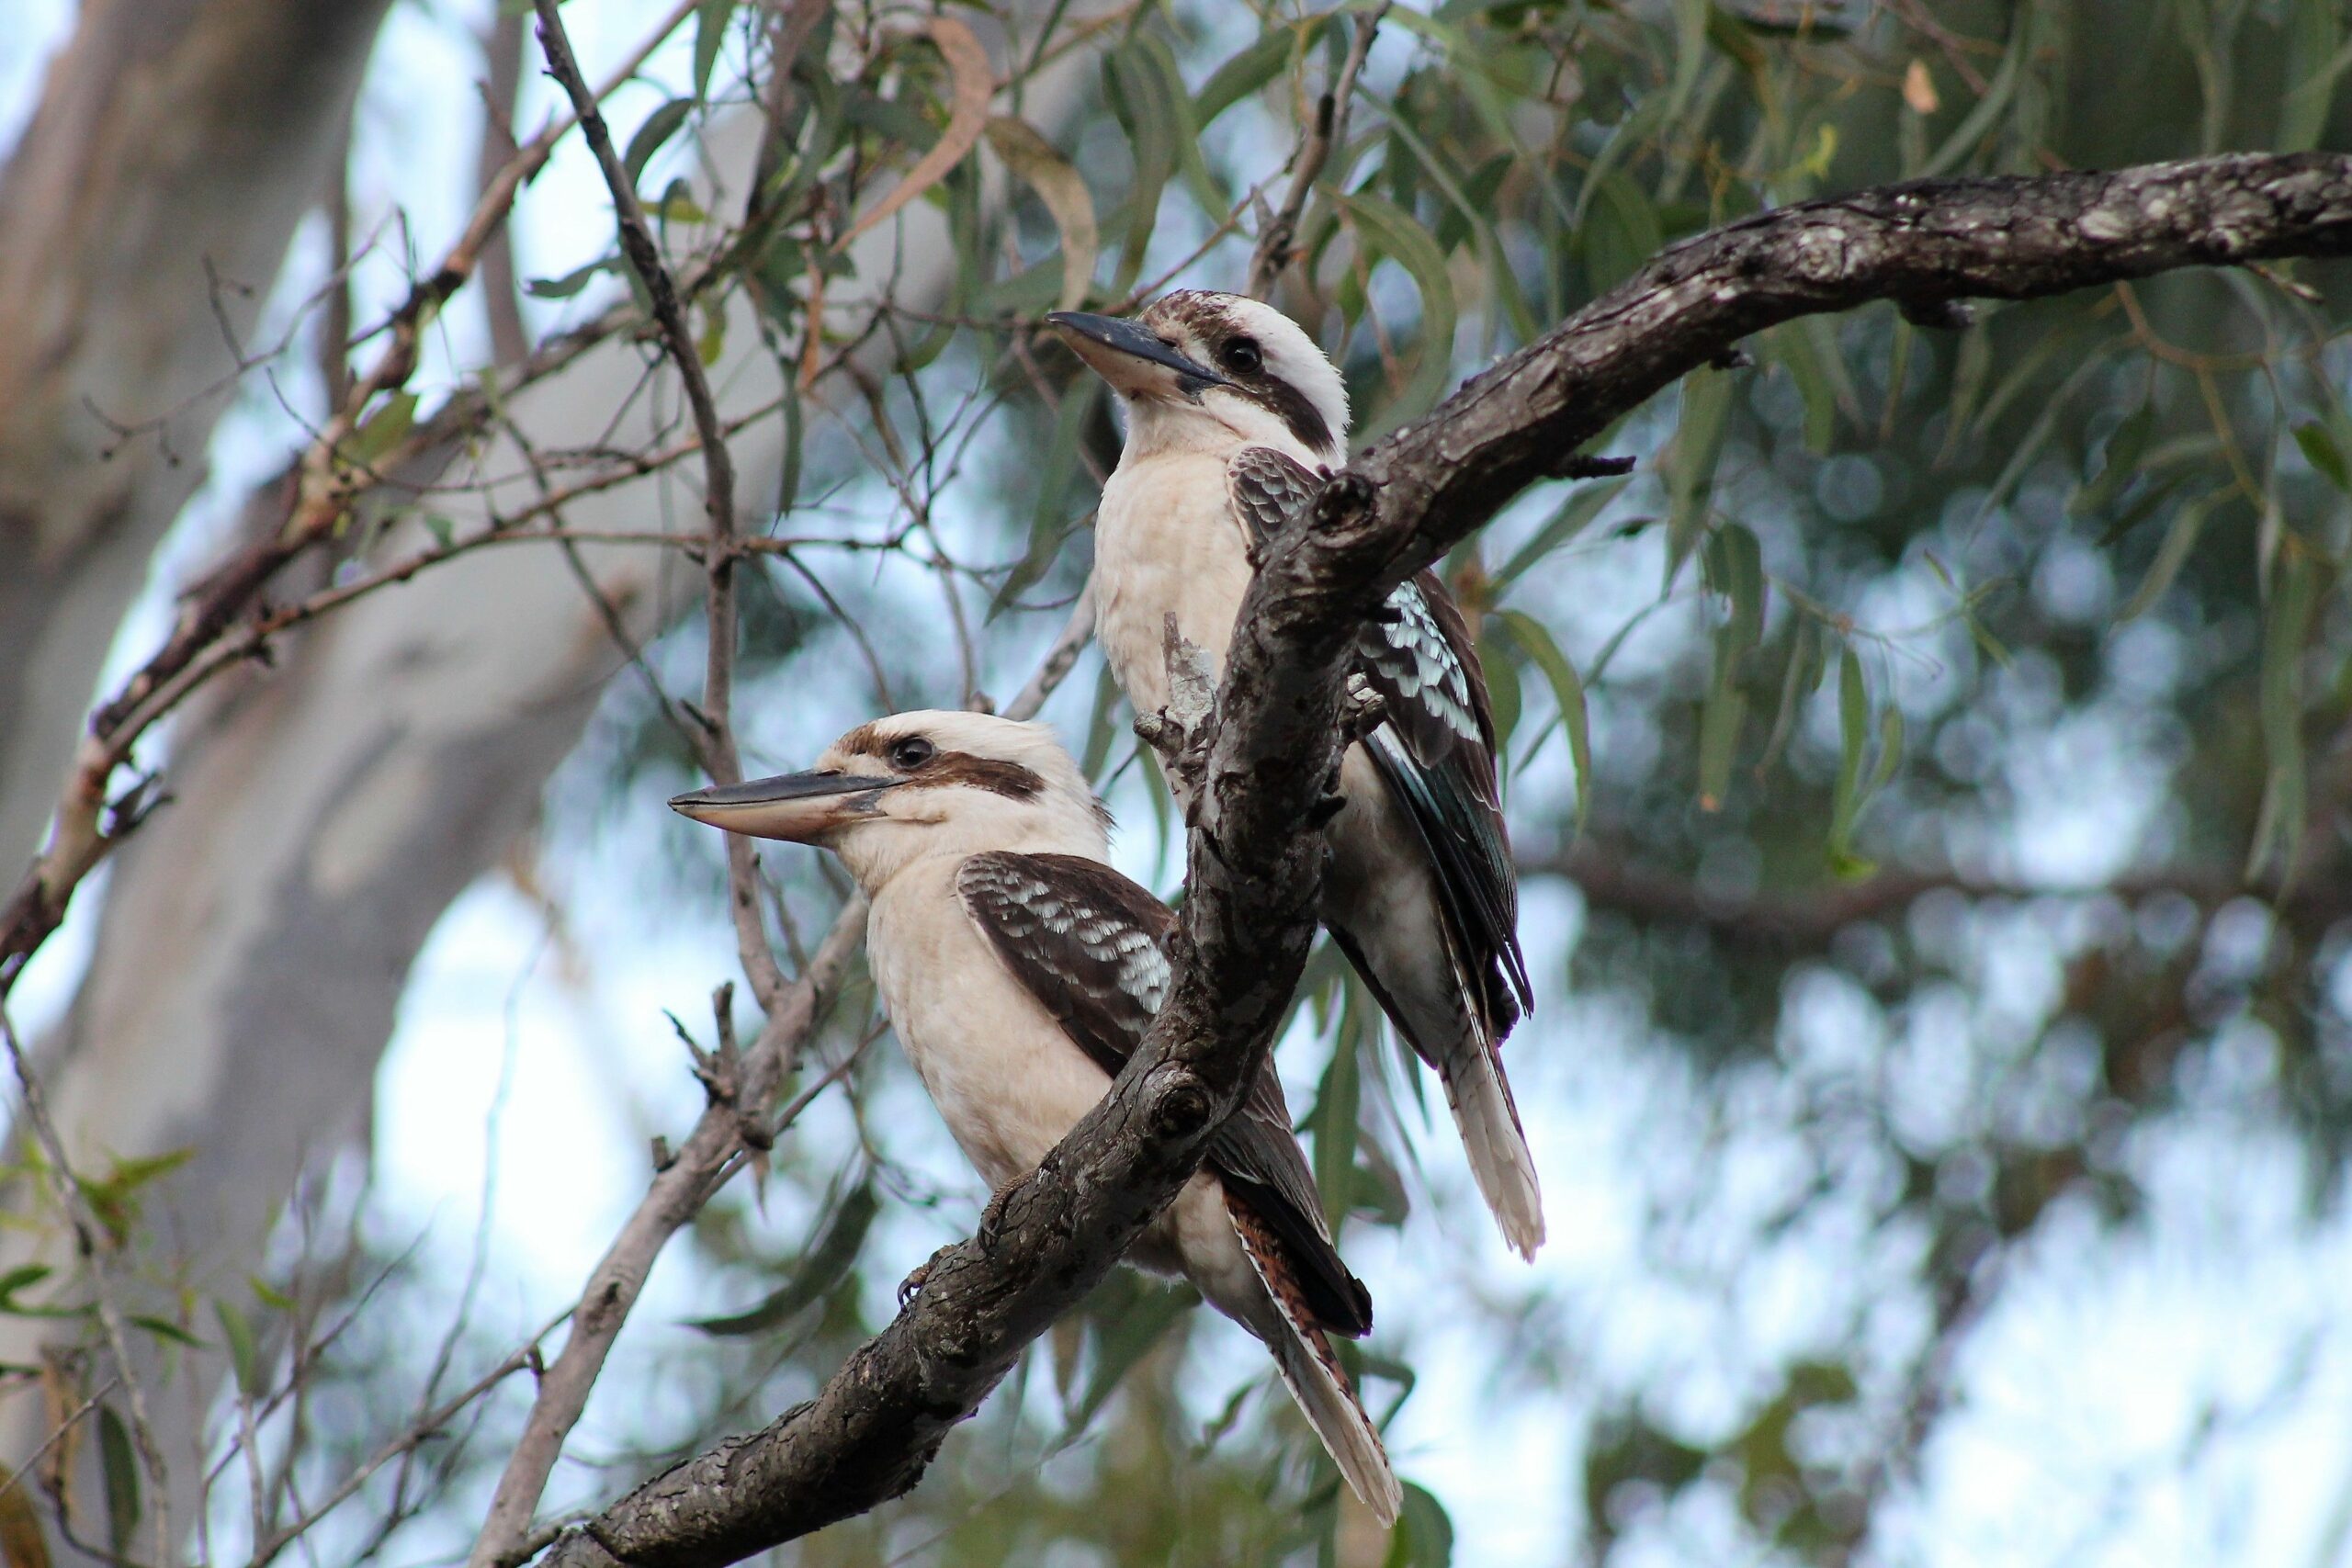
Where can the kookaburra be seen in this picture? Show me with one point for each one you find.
(1232, 416)
(1021, 972)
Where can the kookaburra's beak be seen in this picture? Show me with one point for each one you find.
(798, 806)
(1124, 353)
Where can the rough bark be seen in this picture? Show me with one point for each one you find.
(141, 218)
(1251, 871)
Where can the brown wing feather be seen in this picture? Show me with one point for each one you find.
(1437, 751)
(1089, 946)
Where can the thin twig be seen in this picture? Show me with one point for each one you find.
(57, 1434)
(1329, 130)
(418, 1431)
(327, 484)
(718, 750)
(90, 1233)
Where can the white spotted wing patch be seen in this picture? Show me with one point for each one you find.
(1082, 939)
(1404, 653)
(1406, 657)
(1092, 947)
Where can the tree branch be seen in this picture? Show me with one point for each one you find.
(325, 484)
(1803, 919)
(1327, 130)
(1253, 867)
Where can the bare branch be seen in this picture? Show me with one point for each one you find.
(510, 342)
(718, 750)
(1329, 130)
(91, 1233)
(1254, 866)
(327, 485)
(1806, 919)
(423, 1428)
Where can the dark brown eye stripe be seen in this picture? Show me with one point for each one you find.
(947, 768)
(1010, 779)
(1203, 314)
(1291, 406)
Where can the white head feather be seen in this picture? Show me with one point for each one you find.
(1278, 390)
(954, 783)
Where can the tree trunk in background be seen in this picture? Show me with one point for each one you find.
(257, 935)
(172, 136)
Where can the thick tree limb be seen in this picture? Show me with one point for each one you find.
(1788, 920)
(1253, 868)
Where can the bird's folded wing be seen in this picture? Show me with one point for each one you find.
(1091, 946)
(1268, 487)
(1437, 752)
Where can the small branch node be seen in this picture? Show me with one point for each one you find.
(1587, 466)
(1345, 497)
(1938, 315)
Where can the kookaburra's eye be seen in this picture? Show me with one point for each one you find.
(911, 752)
(1242, 356)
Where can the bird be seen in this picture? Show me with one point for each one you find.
(1234, 417)
(1019, 971)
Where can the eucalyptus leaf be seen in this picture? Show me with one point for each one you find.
(1056, 182)
(119, 1470)
(1393, 233)
(1690, 464)
(1568, 692)
(2319, 449)
(2181, 537)
(1278, 49)
(2278, 828)
(1333, 1122)
(2124, 450)
(711, 17)
(245, 1355)
(1574, 514)
(820, 1270)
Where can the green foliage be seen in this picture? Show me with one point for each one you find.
(816, 1275)
(120, 1473)
(2120, 514)
(2106, 530)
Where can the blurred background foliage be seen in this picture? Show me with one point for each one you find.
(1930, 772)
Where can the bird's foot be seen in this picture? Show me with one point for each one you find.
(920, 1277)
(1361, 710)
(992, 1217)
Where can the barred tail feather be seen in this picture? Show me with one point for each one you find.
(1487, 1119)
(1312, 1372)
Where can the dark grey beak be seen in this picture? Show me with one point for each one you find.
(1090, 335)
(796, 807)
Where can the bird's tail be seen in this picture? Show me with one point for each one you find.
(1487, 1119)
(1447, 1029)
(1312, 1372)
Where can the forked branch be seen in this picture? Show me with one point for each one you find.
(1253, 867)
